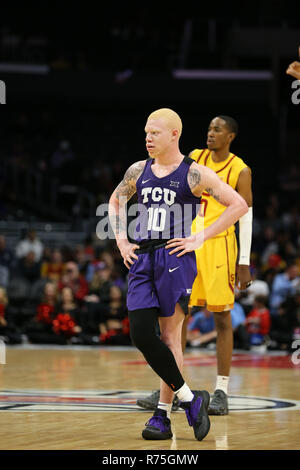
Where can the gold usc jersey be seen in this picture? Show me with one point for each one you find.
(228, 171)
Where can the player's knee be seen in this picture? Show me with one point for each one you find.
(223, 321)
(167, 338)
(142, 328)
(142, 341)
(171, 339)
(139, 337)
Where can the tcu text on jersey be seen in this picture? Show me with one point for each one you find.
(158, 194)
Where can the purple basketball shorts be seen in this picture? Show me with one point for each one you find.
(161, 281)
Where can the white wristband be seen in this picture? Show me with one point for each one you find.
(245, 237)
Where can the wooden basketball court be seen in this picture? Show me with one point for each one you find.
(84, 398)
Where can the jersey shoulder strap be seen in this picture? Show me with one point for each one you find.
(188, 160)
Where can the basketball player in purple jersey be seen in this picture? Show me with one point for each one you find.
(162, 263)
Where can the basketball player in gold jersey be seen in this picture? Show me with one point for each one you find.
(216, 260)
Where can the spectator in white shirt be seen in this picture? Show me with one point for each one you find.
(257, 288)
(30, 243)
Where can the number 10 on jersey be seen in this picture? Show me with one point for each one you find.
(156, 218)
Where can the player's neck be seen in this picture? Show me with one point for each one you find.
(169, 159)
(220, 155)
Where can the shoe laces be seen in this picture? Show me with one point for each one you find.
(158, 419)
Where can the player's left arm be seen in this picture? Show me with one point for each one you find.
(244, 188)
(201, 178)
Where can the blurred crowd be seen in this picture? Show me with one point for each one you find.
(77, 294)
(62, 296)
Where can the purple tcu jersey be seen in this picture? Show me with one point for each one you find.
(167, 206)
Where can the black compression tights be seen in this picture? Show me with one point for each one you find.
(144, 336)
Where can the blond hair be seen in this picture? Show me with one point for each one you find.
(170, 117)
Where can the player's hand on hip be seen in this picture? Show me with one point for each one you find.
(127, 250)
(243, 277)
(183, 245)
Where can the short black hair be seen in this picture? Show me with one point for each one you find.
(230, 123)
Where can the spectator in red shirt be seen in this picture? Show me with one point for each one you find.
(39, 330)
(73, 279)
(65, 323)
(258, 321)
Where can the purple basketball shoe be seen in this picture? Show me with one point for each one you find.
(196, 413)
(158, 427)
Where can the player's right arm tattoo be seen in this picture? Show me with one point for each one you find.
(123, 192)
(127, 188)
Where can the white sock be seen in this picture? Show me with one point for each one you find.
(184, 393)
(222, 383)
(166, 407)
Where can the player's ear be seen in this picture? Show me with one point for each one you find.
(175, 133)
(231, 136)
